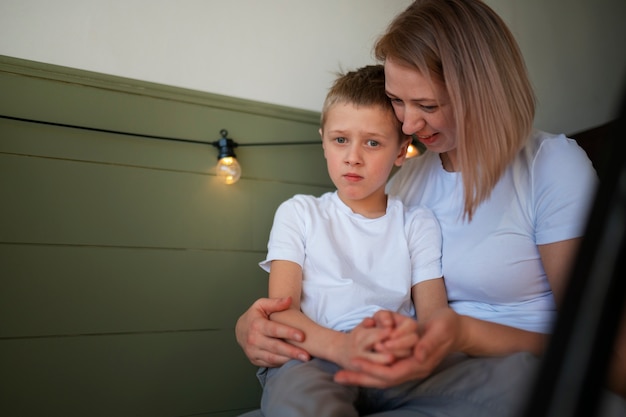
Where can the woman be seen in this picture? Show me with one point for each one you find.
(512, 204)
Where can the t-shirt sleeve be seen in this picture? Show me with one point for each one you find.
(424, 237)
(286, 241)
(564, 186)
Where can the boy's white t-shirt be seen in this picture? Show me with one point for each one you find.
(491, 266)
(354, 266)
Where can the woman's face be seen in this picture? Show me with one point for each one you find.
(423, 107)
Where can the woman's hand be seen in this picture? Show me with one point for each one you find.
(437, 339)
(261, 339)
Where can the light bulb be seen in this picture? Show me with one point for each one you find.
(412, 151)
(228, 170)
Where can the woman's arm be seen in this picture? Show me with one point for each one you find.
(557, 259)
(321, 342)
(443, 333)
(477, 337)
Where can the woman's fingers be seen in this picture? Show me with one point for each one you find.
(380, 376)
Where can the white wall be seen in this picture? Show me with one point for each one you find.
(287, 51)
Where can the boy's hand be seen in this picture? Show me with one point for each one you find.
(403, 334)
(359, 344)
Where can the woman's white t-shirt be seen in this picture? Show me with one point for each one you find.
(491, 265)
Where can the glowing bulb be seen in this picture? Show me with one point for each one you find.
(415, 148)
(411, 151)
(228, 170)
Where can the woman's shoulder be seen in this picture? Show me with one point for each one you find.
(551, 145)
(553, 153)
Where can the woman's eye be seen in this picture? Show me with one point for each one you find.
(341, 140)
(429, 109)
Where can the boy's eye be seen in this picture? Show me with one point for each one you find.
(341, 140)
(372, 143)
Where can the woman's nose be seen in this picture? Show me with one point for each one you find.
(412, 123)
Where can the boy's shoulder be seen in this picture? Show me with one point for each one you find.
(303, 201)
(417, 216)
(309, 198)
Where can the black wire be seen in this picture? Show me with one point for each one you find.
(141, 135)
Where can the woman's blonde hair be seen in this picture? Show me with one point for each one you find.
(467, 47)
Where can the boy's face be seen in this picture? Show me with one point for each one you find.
(361, 146)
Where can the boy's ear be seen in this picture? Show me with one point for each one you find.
(322, 137)
(406, 140)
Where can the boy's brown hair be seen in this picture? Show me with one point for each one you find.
(362, 87)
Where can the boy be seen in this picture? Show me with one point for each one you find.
(347, 254)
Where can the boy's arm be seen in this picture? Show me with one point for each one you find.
(428, 297)
(338, 347)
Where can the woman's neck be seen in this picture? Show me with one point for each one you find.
(448, 161)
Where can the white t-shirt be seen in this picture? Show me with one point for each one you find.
(491, 266)
(354, 266)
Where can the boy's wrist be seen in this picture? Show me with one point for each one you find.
(337, 347)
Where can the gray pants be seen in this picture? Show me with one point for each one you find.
(461, 387)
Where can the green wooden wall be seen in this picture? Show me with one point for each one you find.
(124, 263)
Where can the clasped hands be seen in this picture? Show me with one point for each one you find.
(265, 344)
(382, 339)
(404, 350)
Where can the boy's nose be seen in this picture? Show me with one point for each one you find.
(353, 156)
